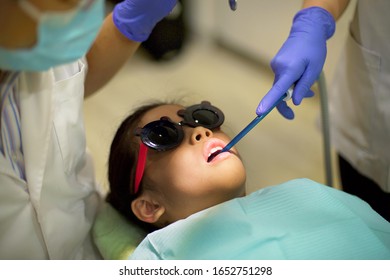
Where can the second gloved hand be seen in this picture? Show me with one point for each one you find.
(300, 60)
(136, 18)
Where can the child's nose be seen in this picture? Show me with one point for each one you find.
(200, 133)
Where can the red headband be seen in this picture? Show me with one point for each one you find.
(139, 172)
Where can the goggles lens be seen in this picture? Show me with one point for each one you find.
(203, 114)
(205, 117)
(161, 135)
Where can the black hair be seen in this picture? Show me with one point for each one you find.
(122, 165)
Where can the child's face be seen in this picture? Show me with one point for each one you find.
(185, 182)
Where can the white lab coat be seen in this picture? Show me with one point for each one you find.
(49, 216)
(360, 94)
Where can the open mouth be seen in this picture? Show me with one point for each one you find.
(213, 153)
(213, 148)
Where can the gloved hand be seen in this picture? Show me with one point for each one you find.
(136, 18)
(300, 60)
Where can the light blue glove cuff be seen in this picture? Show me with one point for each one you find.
(316, 16)
(136, 19)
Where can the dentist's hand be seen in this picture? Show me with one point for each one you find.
(136, 18)
(300, 60)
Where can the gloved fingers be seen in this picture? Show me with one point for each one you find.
(285, 110)
(136, 19)
(309, 94)
(303, 85)
(162, 7)
(279, 88)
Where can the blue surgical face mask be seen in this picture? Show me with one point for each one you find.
(63, 37)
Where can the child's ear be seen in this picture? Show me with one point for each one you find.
(147, 209)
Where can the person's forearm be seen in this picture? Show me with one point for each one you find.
(108, 54)
(335, 7)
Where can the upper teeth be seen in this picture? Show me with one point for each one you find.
(213, 150)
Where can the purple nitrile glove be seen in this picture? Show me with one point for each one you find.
(300, 60)
(136, 18)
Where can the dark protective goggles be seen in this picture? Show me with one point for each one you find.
(164, 134)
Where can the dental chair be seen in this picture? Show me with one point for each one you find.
(299, 219)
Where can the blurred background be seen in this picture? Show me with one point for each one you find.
(205, 51)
